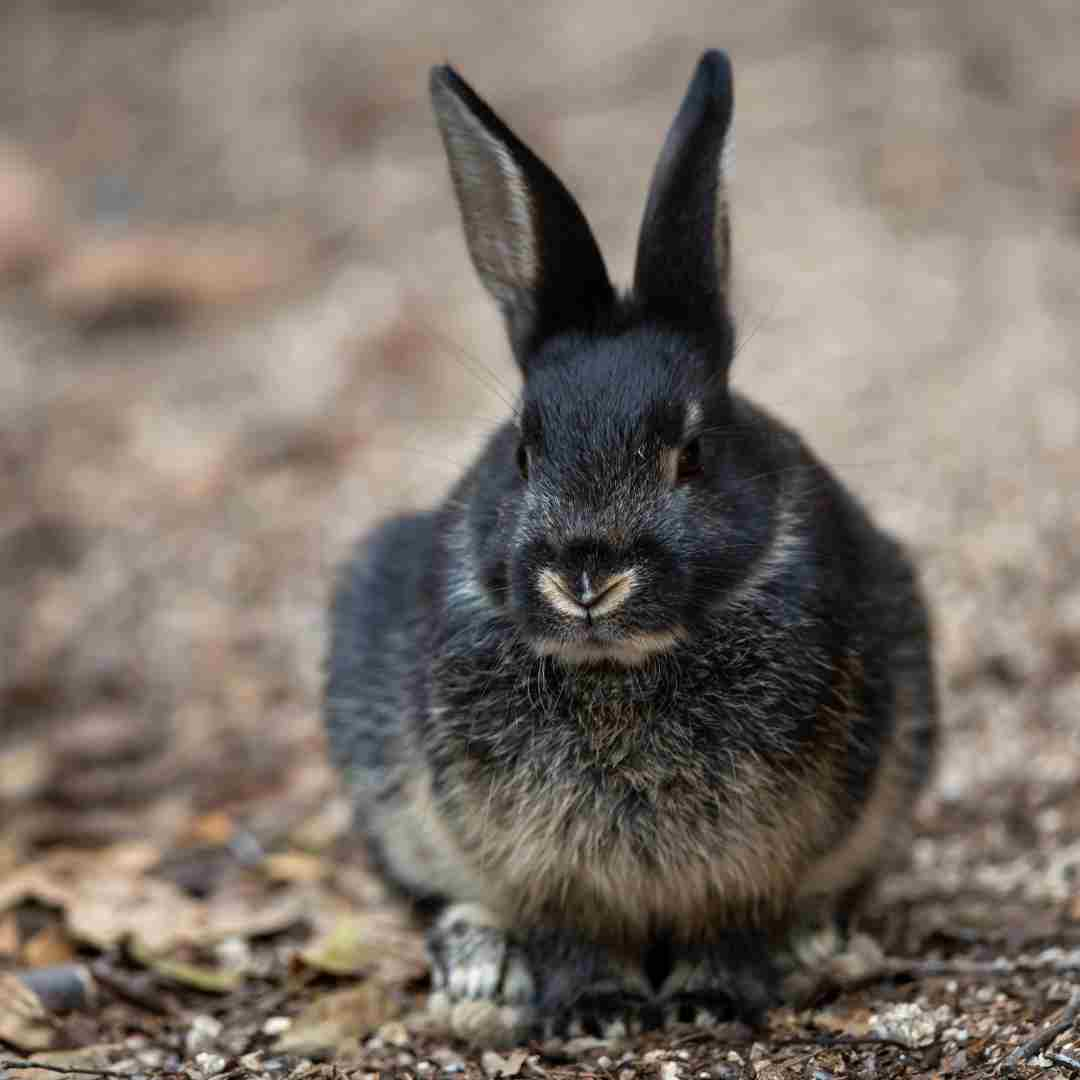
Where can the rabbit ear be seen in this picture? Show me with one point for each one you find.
(528, 238)
(683, 251)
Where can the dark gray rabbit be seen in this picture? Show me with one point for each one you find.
(649, 691)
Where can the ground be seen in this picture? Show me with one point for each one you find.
(237, 325)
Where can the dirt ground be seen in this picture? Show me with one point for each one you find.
(237, 325)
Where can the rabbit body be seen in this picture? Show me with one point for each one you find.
(649, 689)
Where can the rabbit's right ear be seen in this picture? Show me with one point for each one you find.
(528, 238)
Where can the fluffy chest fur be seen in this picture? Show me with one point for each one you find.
(626, 800)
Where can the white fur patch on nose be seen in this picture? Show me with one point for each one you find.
(613, 593)
(555, 590)
(607, 596)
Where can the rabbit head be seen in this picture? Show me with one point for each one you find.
(628, 495)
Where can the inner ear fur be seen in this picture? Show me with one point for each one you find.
(528, 239)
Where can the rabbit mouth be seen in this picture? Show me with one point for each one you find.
(629, 651)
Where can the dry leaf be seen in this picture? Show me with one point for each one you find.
(295, 866)
(33, 882)
(108, 898)
(49, 947)
(337, 1016)
(30, 212)
(209, 980)
(855, 1023)
(58, 879)
(215, 828)
(245, 915)
(26, 768)
(374, 944)
(497, 1065)
(88, 1058)
(9, 936)
(11, 854)
(159, 918)
(24, 1021)
(319, 831)
(154, 914)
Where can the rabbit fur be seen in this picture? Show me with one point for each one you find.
(649, 690)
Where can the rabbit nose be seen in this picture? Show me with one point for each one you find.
(582, 590)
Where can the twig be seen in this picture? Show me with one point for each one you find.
(1045, 1037)
(838, 1042)
(928, 968)
(63, 1069)
(139, 990)
(931, 969)
(824, 1042)
(1067, 1060)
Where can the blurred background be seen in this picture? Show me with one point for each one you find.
(238, 325)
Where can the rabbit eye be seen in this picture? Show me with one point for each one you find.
(523, 461)
(689, 462)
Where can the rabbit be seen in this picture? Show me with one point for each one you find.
(649, 691)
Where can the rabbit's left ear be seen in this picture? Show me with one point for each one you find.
(684, 249)
(529, 241)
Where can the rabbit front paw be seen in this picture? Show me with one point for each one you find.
(494, 987)
(736, 978)
(482, 988)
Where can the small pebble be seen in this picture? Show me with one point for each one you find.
(202, 1034)
(234, 954)
(275, 1025)
(908, 1023)
(583, 1043)
(210, 1064)
(604, 1061)
(443, 1055)
(492, 1063)
(395, 1033)
(670, 1070)
(424, 1067)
